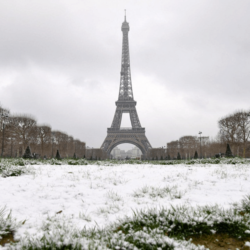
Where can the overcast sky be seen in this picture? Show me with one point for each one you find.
(190, 63)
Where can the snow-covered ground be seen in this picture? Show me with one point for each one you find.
(93, 195)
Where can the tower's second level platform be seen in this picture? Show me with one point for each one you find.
(126, 130)
(125, 103)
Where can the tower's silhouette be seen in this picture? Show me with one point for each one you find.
(126, 104)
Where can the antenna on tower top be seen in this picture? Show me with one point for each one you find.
(125, 15)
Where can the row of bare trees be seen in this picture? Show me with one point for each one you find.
(95, 154)
(19, 131)
(234, 129)
(187, 145)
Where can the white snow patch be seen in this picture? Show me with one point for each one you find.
(247, 244)
(94, 195)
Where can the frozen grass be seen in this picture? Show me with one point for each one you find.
(182, 221)
(149, 229)
(154, 192)
(15, 167)
(5, 162)
(7, 223)
(109, 205)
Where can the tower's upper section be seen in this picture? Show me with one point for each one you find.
(125, 25)
(125, 92)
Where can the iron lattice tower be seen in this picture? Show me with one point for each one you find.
(126, 104)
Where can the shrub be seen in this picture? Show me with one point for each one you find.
(228, 151)
(178, 156)
(7, 224)
(195, 155)
(27, 154)
(58, 157)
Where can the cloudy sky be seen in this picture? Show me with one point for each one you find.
(190, 63)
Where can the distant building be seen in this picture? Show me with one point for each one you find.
(122, 154)
(116, 152)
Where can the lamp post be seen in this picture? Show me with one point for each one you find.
(4, 115)
(200, 143)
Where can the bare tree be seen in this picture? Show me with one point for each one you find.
(44, 139)
(243, 128)
(214, 147)
(4, 130)
(205, 143)
(61, 141)
(24, 129)
(235, 130)
(173, 148)
(229, 127)
(83, 151)
(79, 148)
(71, 146)
(157, 154)
(188, 145)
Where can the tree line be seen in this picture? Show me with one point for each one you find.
(190, 147)
(19, 131)
(234, 129)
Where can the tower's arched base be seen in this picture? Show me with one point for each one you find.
(135, 136)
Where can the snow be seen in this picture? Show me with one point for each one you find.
(93, 195)
(247, 244)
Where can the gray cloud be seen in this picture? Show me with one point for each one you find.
(60, 61)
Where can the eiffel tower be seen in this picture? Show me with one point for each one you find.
(126, 104)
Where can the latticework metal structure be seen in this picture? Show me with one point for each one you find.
(126, 104)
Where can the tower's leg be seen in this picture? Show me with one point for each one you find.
(134, 119)
(117, 119)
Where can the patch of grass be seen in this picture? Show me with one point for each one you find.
(184, 223)
(155, 192)
(5, 163)
(15, 171)
(113, 196)
(85, 216)
(7, 226)
(244, 207)
(7, 238)
(245, 204)
(109, 209)
(60, 233)
(175, 228)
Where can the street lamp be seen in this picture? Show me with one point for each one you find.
(200, 143)
(4, 114)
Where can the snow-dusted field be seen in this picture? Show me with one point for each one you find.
(97, 195)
